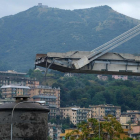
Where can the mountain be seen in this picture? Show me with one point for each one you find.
(45, 29)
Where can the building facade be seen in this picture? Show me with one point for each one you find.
(120, 77)
(16, 78)
(54, 131)
(8, 91)
(99, 111)
(76, 114)
(49, 94)
(133, 114)
(125, 120)
(103, 78)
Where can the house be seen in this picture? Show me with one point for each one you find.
(103, 78)
(120, 77)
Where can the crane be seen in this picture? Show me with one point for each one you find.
(97, 61)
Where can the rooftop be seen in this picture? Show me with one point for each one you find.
(44, 97)
(47, 87)
(125, 113)
(104, 105)
(15, 86)
(12, 72)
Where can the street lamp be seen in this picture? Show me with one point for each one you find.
(99, 123)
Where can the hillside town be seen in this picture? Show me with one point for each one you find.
(15, 83)
(70, 70)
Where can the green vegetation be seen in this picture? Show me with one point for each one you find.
(85, 89)
(66, 123)
(40, 30)
(90, 130)
(36, 74)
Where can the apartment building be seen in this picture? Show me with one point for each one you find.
(133, 114)
(69, 112)
(46, 93)
(99, 111)
(135, 132)
(68, 75)
(50, 100)
(83, 114)
(103, 78)
(125, 120)
(16, 78)
(8, 91)
(32, 83)
(120, 77)
(54, 112)
(76, 114)
(54, 131)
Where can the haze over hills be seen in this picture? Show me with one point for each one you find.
(42, 30)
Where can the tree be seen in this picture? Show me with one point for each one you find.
(83, 131)
(36, 74)
(90, 130)
(86, 131)
(49, 138)
(112, 127)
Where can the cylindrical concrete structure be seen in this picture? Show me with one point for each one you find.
(30, 120)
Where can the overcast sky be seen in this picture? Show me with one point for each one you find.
(127, 7)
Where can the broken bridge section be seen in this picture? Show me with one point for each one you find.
(97, 61)
(109, 63)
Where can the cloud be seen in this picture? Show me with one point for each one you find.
(127, 7)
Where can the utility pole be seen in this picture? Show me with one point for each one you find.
(99, 123)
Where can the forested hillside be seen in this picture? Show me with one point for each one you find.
(42, 30)
(85, 89)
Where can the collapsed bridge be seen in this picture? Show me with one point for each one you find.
(97, 61)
